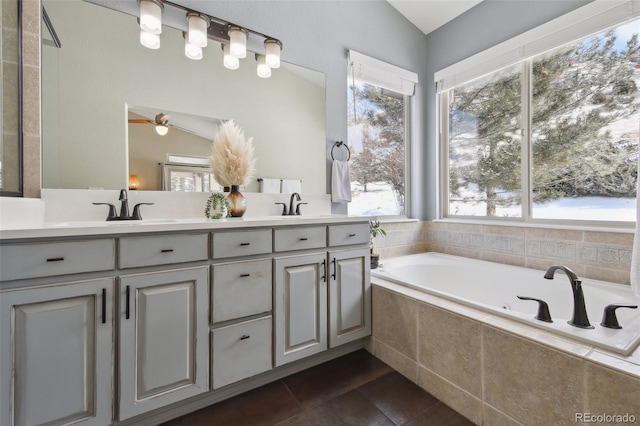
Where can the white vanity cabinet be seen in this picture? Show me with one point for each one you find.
(56, 335)
(163, 351)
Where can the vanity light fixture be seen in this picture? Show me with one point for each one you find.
(199, 28)
(191, 51)
(238, 42)
(134, 182)
(229, 61)
(263, 69)
(272, 49)
(149, 40)
(151, 16)
(198, 25)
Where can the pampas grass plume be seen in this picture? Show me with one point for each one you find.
(232, 158)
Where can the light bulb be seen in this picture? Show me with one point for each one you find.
(229, 61)
(192, 51)
(151, 16)
(238, 42)
(272, 53)
(149, 40)
(263, 70)
(198, 25)
(162, 130)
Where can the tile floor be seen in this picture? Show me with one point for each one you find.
(356, 389)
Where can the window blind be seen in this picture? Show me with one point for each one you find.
(382, 74)
(582, 22)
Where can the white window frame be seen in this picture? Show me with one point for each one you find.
(391, 77)
(588, 20)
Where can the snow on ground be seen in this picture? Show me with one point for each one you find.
(377, 201)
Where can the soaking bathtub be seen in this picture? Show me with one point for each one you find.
(493, 287)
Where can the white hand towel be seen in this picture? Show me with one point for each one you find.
(635, 254)
(340, 183)
(289, 186)
(270, 186)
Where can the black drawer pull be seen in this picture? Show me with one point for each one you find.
(55, 259)
(245, 275)
(245, 337)
(166, 251)
(303, 239)
(128, 311)
(245, 244)
(352, 235)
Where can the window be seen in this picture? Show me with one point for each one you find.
(186, 173)
(554, 136)
(378, 104)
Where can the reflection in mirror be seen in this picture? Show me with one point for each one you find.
(101, 76)
(10, 109)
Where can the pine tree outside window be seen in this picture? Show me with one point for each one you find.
(552, 137)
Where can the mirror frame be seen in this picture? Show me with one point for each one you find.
(20, 192)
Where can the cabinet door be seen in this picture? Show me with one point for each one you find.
(164, 354)
(349, 296)
(300, 307)
(56, 353)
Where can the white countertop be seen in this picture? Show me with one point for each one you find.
(104, 228)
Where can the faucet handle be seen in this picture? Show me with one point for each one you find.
(136, 210)
(112, 210)
(284, 208)
(298, 208)
(609, 318)
(543, 309)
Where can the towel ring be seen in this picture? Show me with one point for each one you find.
(338, 144)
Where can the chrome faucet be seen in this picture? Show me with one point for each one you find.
(580, 318)
(124, 208)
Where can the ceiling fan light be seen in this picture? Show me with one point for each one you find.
(272, 50)
(151, 16)
(229, 61)
(262, 70)
(162, 130)
(149, 40)
(198, 25)
(238, 42)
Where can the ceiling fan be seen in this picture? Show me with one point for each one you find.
(161, 122)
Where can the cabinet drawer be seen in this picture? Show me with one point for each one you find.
(300, 238)
(19, 261)
(240, 289)
(343, 235)
(240, 351)
(241, 243)
(160, 250)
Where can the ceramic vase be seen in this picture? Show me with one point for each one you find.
(237, 201)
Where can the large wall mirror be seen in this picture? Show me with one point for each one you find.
(10, 109)
(102, 91)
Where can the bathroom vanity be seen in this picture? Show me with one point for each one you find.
(139, 323)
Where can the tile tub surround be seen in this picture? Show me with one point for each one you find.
(593, 254)
(493, 370)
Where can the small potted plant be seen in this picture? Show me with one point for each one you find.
(217, 207)
(375, 229)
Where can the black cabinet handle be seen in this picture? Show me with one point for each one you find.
(166, 251)
(104, 305)
(245, 337)
(303, 239)
(352, 235)
(55, 259)
(333, 262)
(128, 311)
(245, 275)
(324, 271)
(245, 244)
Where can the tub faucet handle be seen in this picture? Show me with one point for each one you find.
(609, 318)
(543, 309)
